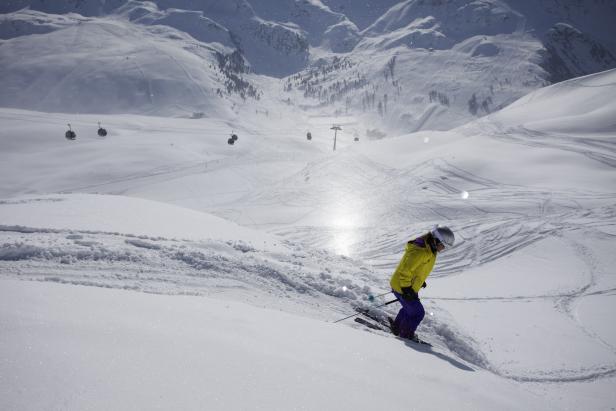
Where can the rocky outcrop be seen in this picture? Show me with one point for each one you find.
(571, 53)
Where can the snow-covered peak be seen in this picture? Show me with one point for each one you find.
(193, 22)
(82, 7)
(224, 11)
(361, 12)
(453, 20)
(26, 22)
(314, 18)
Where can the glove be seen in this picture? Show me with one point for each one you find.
(409, 294)
(424, 285)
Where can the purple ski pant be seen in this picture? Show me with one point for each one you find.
(409, 316)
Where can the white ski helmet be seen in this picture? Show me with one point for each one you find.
(444, 235)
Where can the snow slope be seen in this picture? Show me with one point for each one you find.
(519, 310)
(153, 351)
(570, 106)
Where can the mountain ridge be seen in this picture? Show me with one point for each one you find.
(468, 46)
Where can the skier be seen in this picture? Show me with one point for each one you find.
(410, 276)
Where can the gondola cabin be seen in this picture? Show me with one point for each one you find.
(70, 134)
(101, 131)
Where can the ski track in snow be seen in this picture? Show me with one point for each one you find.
(530, 216)
(307, 277)
(176, 266)
(601, 150)
(173, 266)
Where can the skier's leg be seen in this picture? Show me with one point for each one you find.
(404, 321)
(405, 326)
(416, 315)
(395, 327)
(401, 320)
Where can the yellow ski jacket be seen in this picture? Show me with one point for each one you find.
(414, 268)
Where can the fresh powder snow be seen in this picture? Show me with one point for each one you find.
(162, 267)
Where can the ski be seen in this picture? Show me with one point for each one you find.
(379, 327)
(415, 338)
(366, 312)
(370, 324)
(418, 340)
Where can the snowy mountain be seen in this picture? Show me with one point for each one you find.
(385, 60)
(210, 249)
(102, 66)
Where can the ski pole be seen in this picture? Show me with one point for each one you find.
(353, 315)
(372, 297)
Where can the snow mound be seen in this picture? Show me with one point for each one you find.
(118, 214)
(584, 104)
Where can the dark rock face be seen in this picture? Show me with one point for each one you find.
(571, 53)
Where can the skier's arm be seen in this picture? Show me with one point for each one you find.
(421, 273)
(411, 263)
